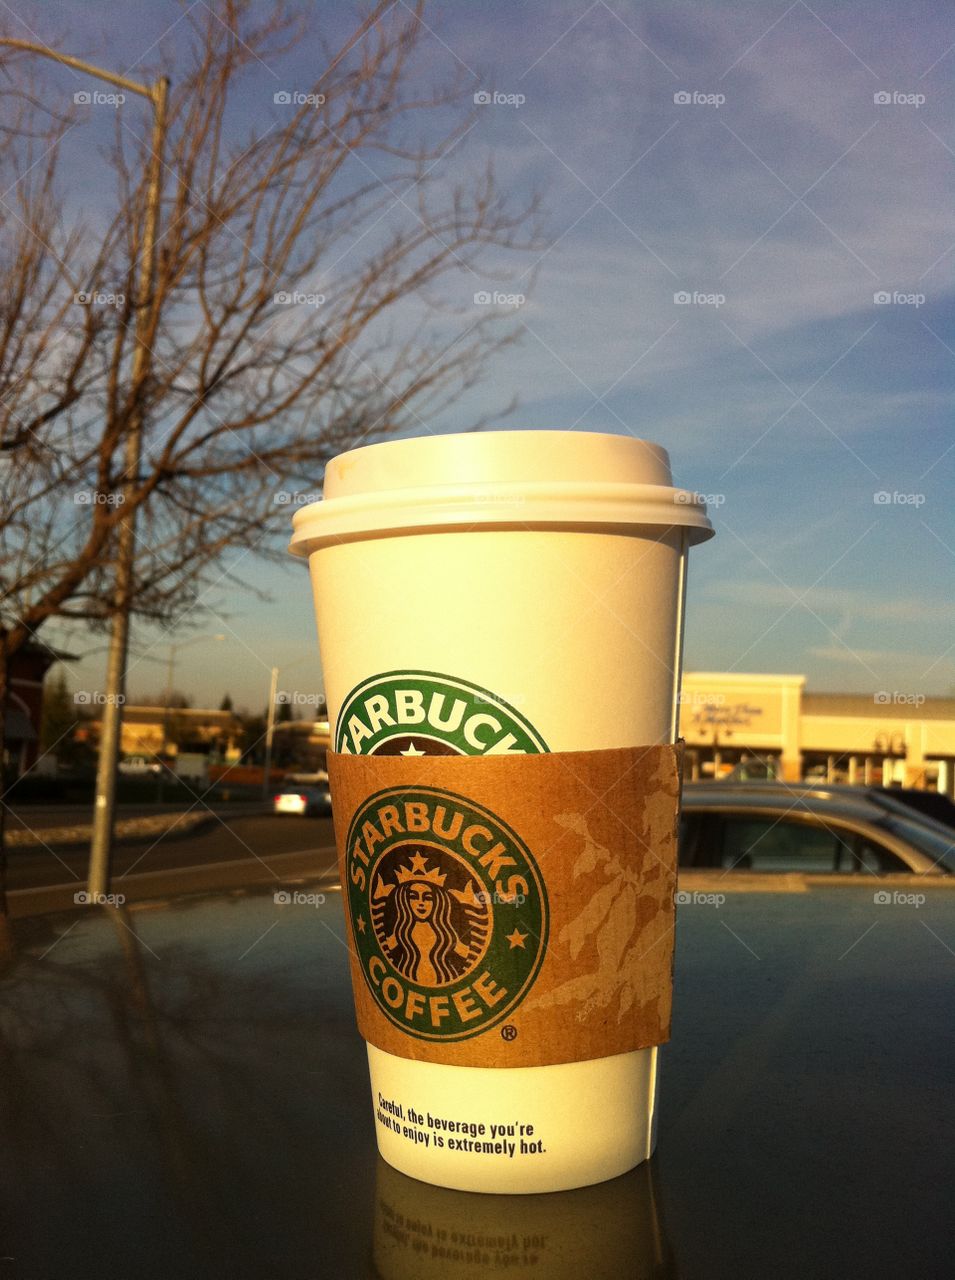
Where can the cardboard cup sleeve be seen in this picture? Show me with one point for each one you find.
(510, 911)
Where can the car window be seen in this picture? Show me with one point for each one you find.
(776, 844)
(784, 845)
(937, 845)
(690, 843)
(859, 853)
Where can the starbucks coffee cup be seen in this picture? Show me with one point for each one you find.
(499, 594)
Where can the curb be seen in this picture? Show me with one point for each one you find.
(126, 830)
(207, 877)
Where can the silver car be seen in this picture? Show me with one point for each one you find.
(816, 830)
(305, 794)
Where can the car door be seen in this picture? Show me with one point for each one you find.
(766, 843)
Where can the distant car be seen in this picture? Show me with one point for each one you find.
(139, 767)
(754, 771)
(928, 804)
(774, 827)
(304, 794)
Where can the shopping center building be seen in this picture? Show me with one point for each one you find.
(882, 738)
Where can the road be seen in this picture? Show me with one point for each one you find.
(232, 838)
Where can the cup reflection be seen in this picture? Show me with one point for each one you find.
(614, 1229)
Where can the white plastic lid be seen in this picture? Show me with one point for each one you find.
(501, 480)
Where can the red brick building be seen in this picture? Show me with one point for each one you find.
(21, 733)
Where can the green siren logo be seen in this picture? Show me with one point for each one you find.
(421, 713)
(448, 911)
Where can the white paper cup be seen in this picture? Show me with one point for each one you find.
(547, 569)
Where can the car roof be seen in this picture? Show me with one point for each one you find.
(850, 802)
(189, 1064)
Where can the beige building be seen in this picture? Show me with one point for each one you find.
(303, 744)
(147, 729)
(882, 738)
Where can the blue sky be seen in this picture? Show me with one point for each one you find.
(787, 168)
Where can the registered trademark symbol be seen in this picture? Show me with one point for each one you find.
(509, 1031)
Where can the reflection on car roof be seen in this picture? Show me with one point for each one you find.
(773, 795)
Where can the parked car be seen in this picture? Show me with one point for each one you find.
(772, 827)
(754, 770)
(928, 804)
(304, 794)
(802, 1120)
(139, 767)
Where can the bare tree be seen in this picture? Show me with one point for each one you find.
(299, 306)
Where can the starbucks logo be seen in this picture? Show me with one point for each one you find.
(422, 713)
(448, 911)
(430, 917)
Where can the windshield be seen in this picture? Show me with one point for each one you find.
(935, 843)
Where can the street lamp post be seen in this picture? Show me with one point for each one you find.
(270, 723)
(104, 811)
(270, 732)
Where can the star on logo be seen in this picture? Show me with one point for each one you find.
(361, 924)
(412, 751)
(516, 939)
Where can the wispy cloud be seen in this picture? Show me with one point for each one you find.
(909, 663)
(833, 653)
(868, 605)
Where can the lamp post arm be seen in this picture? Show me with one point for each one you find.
(145, 90)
